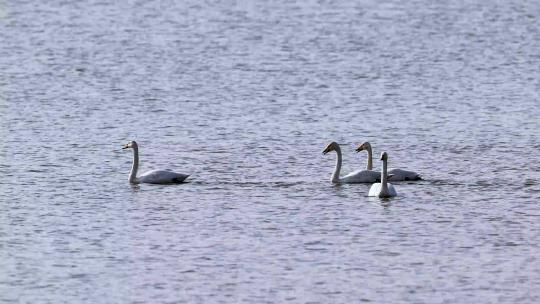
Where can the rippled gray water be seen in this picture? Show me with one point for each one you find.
(244, 95)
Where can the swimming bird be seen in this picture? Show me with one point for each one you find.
(394, 175)
(154, 176)
(383, 189)
(360, 176)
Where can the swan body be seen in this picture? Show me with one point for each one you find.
(161, 177)
(360, 176)
(394, 175)
(376, 190)
(154, 176)
(383, 189)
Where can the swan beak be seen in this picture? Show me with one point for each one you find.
(125, 146)
(359, 149)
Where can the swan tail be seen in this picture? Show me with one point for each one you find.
(180, 179)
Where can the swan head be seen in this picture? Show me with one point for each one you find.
(130, 144)
(363, 146)
(384, 156)
(330, 147)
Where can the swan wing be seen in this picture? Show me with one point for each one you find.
(397, 175)
(162, 177)
(362, 176)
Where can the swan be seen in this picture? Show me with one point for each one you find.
(384, 188)
(394, 175)
(154, 176)
(360, 176)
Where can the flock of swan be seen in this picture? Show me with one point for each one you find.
(380, 188)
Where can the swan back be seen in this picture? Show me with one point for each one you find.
(162, 177)
(362, 176)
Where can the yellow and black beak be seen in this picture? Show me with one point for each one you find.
(126, 146)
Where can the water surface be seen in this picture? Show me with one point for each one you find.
(244, 95)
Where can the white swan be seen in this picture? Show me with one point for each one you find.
(154, 176)
(360, 176)
(384, 188)
(394, 175)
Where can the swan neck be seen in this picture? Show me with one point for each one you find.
(384, 178)
(337, 169)
(369, 165)
(134, 166)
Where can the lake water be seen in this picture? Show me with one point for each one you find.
(245, 95)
